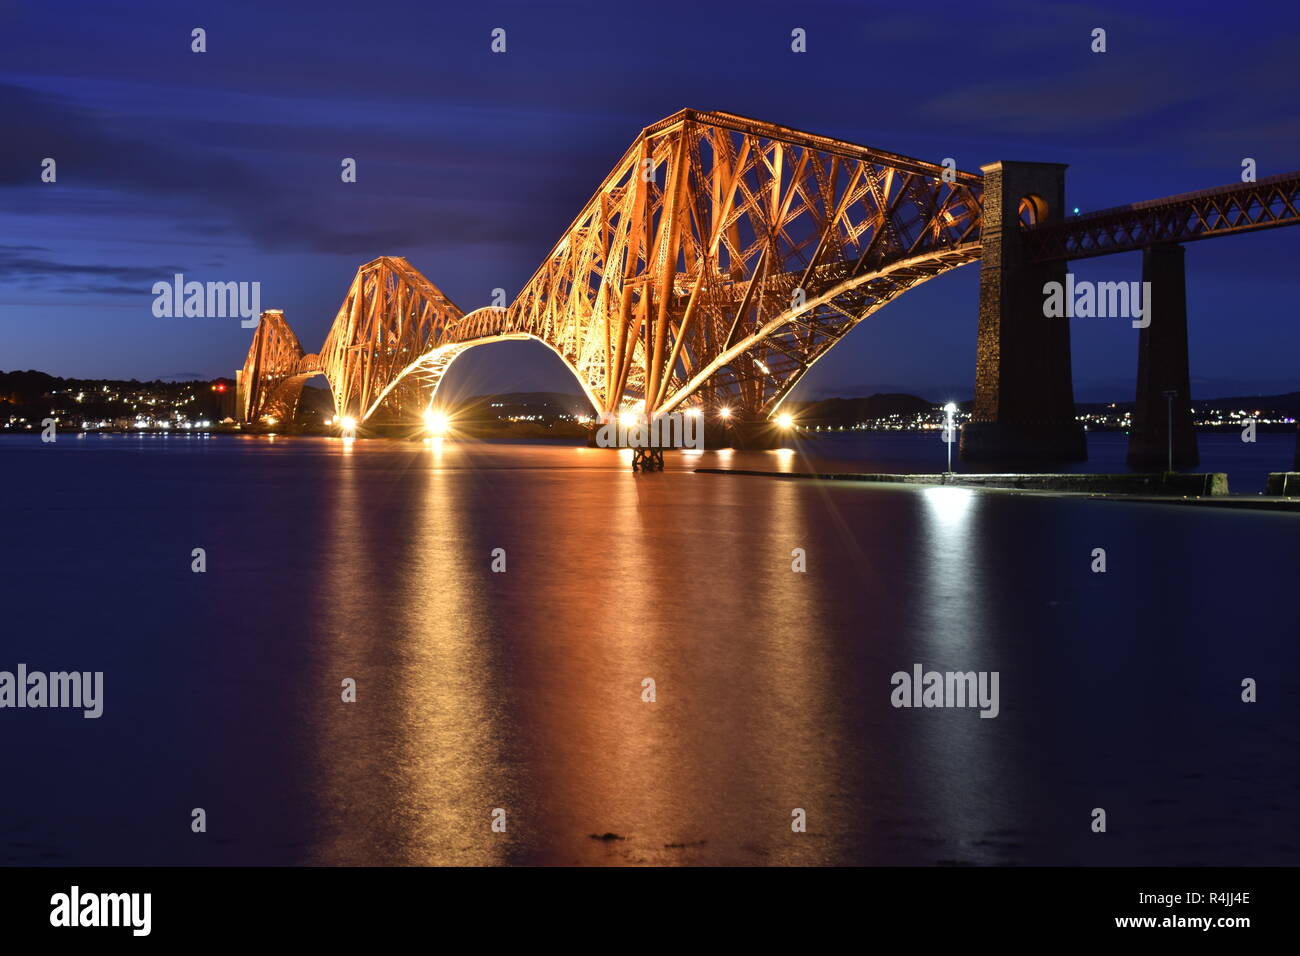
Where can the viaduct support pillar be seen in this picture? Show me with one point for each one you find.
(1024, 390)
(1163, 367)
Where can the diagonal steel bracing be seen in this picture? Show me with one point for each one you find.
(1243, 207)
(717, 262)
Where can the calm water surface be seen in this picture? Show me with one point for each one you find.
(522, 691)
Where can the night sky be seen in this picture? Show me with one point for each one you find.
(225, 165)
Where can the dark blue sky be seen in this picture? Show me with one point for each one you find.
(225, 165)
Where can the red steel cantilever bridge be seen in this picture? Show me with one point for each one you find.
(676, 283)
(723, 256)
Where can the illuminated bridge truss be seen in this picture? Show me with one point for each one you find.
(1245, 207)
(718, 261)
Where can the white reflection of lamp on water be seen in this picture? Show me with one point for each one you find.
(949, 507)
(957, 632)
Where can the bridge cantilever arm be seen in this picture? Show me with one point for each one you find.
(1224, 210)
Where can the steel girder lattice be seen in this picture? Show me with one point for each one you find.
(1245, 207)
(717, 262)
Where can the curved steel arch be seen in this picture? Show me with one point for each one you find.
(430, 368)
(854, 300)
(721, 257)
(390, 316)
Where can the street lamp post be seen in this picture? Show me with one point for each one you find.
(949, 410)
